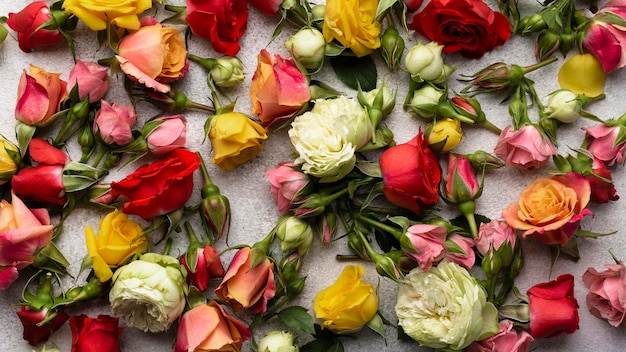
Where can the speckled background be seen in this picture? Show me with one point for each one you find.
(253, 210)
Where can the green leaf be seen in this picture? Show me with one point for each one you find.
(323, 345)
(353, 71)
(298, 318)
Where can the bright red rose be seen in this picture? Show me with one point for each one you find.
(43, 182)
(469, 27)
(222, 22)
(268, 7)
(553, 307)
(95, 335)
(160, 187)
(27, 21)
(411, 174)
(36, 334)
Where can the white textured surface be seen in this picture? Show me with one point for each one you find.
(254, 212)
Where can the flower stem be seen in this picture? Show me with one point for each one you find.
(379, 225)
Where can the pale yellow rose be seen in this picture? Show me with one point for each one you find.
(96, 13)
(348, 304)
(235, 139)
(352, 23)
(117, 241)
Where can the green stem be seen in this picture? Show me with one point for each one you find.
(491, 127)
(379, 225)
(467, 209)
(101, 154)
(530, 68)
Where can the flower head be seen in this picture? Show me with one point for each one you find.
(235, 139)
(96, 14)
(352, 23)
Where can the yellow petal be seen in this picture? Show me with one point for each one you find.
(582, 74)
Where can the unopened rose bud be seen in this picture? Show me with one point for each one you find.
(278, 341)
(425, 63)
(9, 159)
(318, 12)
(294, 232)
(425, 102)
(387, 99)
(481, 159)
(391, 48)
(492, 264)
(493, 77)
(227, 71)
(461, 183)
(563, 105)
(444, 135)
(532, 24)
(307, 47)
(548, 41)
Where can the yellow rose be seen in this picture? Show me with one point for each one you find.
(352, 23)
(9, 156)
(348, 304)
(235, 139)
(117, 241)
(96, 13)
(444, 135)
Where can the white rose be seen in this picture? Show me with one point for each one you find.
(351, 118)
(278, 341)
(425, 62)
(149, 293)
(445, 308)
(322, 146)
(563, 105)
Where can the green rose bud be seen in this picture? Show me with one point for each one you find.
(307, 47)
(227, 71)
(293, 232)
(278, 341)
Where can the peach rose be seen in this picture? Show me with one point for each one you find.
(550, 209)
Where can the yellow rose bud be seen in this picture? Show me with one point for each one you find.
(445, 134)
(348, 304)
(9, 157)
(96, 13)
(352, 23)
(235, 139)
(117, 241)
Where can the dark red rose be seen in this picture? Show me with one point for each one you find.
(160, 187)
(95, 335)
(43, 182)
(553, 307)
(467, 26)
(602, 188)
(35, 334)
(27, 21)
(411, 174)
(222, 22)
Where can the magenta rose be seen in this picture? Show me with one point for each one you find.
(602, 141)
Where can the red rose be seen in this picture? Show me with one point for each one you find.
(467, 26)
(160, 187)
(222, 22)
(411, 174)
(553, 307)
(42, 183)
(27, 21)
(602, 187)
(36, 334)
(95, 335)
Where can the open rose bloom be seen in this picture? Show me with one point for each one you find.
(606, 298)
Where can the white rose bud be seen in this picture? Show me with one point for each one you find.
(425, 101)
(149, 293)
(307, 47)
(389, 98)
(425, 63)
(278, 341)
(563, 105)
(445, 308)
(352, 119)
(227, 71)
(293, 233)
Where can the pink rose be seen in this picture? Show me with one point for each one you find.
(505, 340)
(493, 235)
(245, 286)
(606, 298)
(601, 142)
(114, 123)
(425, 244)
(39, 95)
(288, 185)
(525, 148)
(23, 232)
(465, 257)
(170, 134)
(605, 39)
(278, 89)
(91, 80)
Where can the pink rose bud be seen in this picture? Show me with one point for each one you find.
(460, 251)
(525, 148)
(113, 123)
(461, 182)
(288, 185)
(425, 243)
(493, 235)
(169, 133)
(605, 143)
(90, 79)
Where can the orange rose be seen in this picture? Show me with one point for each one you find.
(550, 209)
